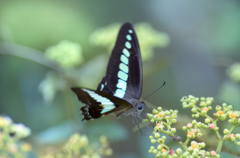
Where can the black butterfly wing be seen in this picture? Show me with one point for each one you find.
(99, 103)
(124, 71)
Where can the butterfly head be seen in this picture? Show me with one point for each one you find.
(140, 107)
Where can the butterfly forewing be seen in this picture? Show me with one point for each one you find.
(124, 72)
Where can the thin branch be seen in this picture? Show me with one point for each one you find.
(27, 53)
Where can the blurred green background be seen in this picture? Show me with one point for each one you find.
(204, 43)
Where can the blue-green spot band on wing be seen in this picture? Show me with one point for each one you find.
(119, 93)
(126, 52)
(102, 86)
(105, 103)
(129, 37)
(128, 45)
(122, 75)
(124, 59)
(123, 68)
(122, 85)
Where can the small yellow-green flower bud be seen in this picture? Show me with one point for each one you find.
(174, 115)
(202, 145)
(179, 151)
(154, 111)
(184, 128)
(159, 147)
(153, 141)
(194, 122)
(195, 154)
(155, 151)
(225, 131)
(193, 102)
(208, 102)
(173, 130)
(235, 120)
(224, 105)
(202, 104)
(216, 128)
(218, 107)
(237, 136)
(233, 139)
(199, 124)
(230, 120)
(194, 110)
(159, 109)
(207, 153)
(199, 135)
(225, 137)
(164, 154)
(150, 116)
(157, 135)
(207, 120)
(203, 112)
(197, 115)
(223, 117)
(229, 107)
(217, 156)
(202, 98)
(239, 121)
(186, 154)
(167, 112)
(174, 120)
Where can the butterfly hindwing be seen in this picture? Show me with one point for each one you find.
(124, 71)
(99, 103)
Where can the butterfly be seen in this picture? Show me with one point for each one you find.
(120, 90)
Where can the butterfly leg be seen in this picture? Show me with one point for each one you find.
(147, 117)
(136, 123)
(139, 116)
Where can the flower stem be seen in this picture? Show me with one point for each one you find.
(219, 147)
(183, 145)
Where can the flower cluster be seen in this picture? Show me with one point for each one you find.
(66, 54)
(163, 120)
(234, 72)
(191, 146)
(148, 38)
(10, 134)
(78, 146)
(223, 112)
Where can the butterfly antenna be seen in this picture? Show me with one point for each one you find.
(154, 91)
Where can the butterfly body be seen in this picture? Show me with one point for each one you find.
(120, 90)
